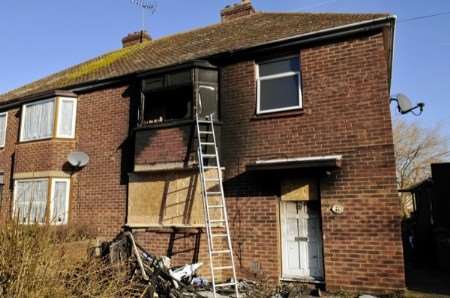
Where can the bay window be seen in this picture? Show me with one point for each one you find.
(31, 197)
(38, 119)
(279, 85)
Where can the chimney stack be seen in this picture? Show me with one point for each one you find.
(135, 38)
(236, 11)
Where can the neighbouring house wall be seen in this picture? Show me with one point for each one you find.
(7, 161)
(346, 111)
(99, 190)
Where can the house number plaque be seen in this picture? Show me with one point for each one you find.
(337, 209)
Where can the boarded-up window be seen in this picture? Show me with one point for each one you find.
(167, 199)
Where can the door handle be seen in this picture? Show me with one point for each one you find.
(301, 238)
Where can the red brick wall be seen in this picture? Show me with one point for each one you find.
(346, 111)
(99, 190)
(6, 160)
(47, 155)
(164, 145)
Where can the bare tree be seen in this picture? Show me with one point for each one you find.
(416, 148)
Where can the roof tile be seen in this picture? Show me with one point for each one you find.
(241, 33)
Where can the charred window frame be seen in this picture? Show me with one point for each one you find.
(175, 96)
(207, 89)
(167, 98)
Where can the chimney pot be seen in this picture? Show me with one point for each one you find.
(135, 38)
(238, 10)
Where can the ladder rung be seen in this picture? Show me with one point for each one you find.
(226, 284)
(217, 252)
(210, 167)
(208, 155)
(215, 206)
(207, 143)
(222, 268)
(219, 235)
(206, 132)
(217, 220)
(204, 121)
(214, 193)
(213, 179)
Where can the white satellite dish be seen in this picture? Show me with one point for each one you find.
(405, 105)
(78, 159)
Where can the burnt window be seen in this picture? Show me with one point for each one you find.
(168, 105)
(177, 95)
(168, 98)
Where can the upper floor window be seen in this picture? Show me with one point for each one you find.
(38, 119)
(3, 124)
(279, 85)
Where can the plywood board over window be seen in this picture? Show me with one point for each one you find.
(299, 189)
(165, 199)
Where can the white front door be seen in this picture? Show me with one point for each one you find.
(301, 240)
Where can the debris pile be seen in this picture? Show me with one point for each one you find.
(153, 272)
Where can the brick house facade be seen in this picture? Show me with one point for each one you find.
(143, 174)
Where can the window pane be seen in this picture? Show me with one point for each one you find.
(2, 129)
(31, 201)
(280, 66)
(65, 126)
(38, 121)
(59, 202)
(279, 93)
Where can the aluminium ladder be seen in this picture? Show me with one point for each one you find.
(216, 217)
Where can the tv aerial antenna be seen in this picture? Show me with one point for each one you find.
(145, 6)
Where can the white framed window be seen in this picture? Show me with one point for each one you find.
(3, 126)
(38, 119)
(279, 85)
(30, 200)
(59, 201)
(67, 109)
(31, 197)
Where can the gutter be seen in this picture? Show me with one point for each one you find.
(296, 40)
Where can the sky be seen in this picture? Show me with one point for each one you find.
(38, 38)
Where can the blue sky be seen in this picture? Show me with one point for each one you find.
(40, 37)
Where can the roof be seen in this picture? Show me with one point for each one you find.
(246, 32)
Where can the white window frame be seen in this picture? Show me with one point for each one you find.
(74, 115)
(22, 119)
(56, 118)
(3, 142)
(277, 76)
(52, 196)
(15, 197)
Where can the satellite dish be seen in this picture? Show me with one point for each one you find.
(78, 159)
(404, 104)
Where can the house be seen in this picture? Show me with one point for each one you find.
(428, 231)
(301, 103)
